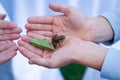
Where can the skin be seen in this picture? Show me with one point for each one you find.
(69, 24)
(8, 32)
(79, 30)
(83, 53)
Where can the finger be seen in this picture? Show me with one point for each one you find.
(13, 48)
(25, 38)
(10, 31)
(31, 48)
(61, 8)
(37, 27)
(2, 16)
(34, 35)
(7, 55)
(4, 45)
(46, 62)
(43, 33)
(27, 53)
(9, 36)
(58, 7)
(7, 24)
(41, 19)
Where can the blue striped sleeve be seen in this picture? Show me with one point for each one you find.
(111, 65)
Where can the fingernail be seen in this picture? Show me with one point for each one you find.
(30, 19)
(30, 62)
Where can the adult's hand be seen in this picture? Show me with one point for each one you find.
(71, 23)
(73, 49)
(8, 32)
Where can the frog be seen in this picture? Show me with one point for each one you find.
(57, 39)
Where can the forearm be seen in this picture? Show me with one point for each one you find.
(96, 59)
(91, 55)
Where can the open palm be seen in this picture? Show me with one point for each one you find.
(71, 23)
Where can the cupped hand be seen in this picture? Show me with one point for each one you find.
(52, 59)
(8, 32)
(72, 49)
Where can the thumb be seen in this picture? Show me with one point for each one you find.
(41, 62)
(58, 8)
(2, 16)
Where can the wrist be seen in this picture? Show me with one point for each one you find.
(99, 29)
